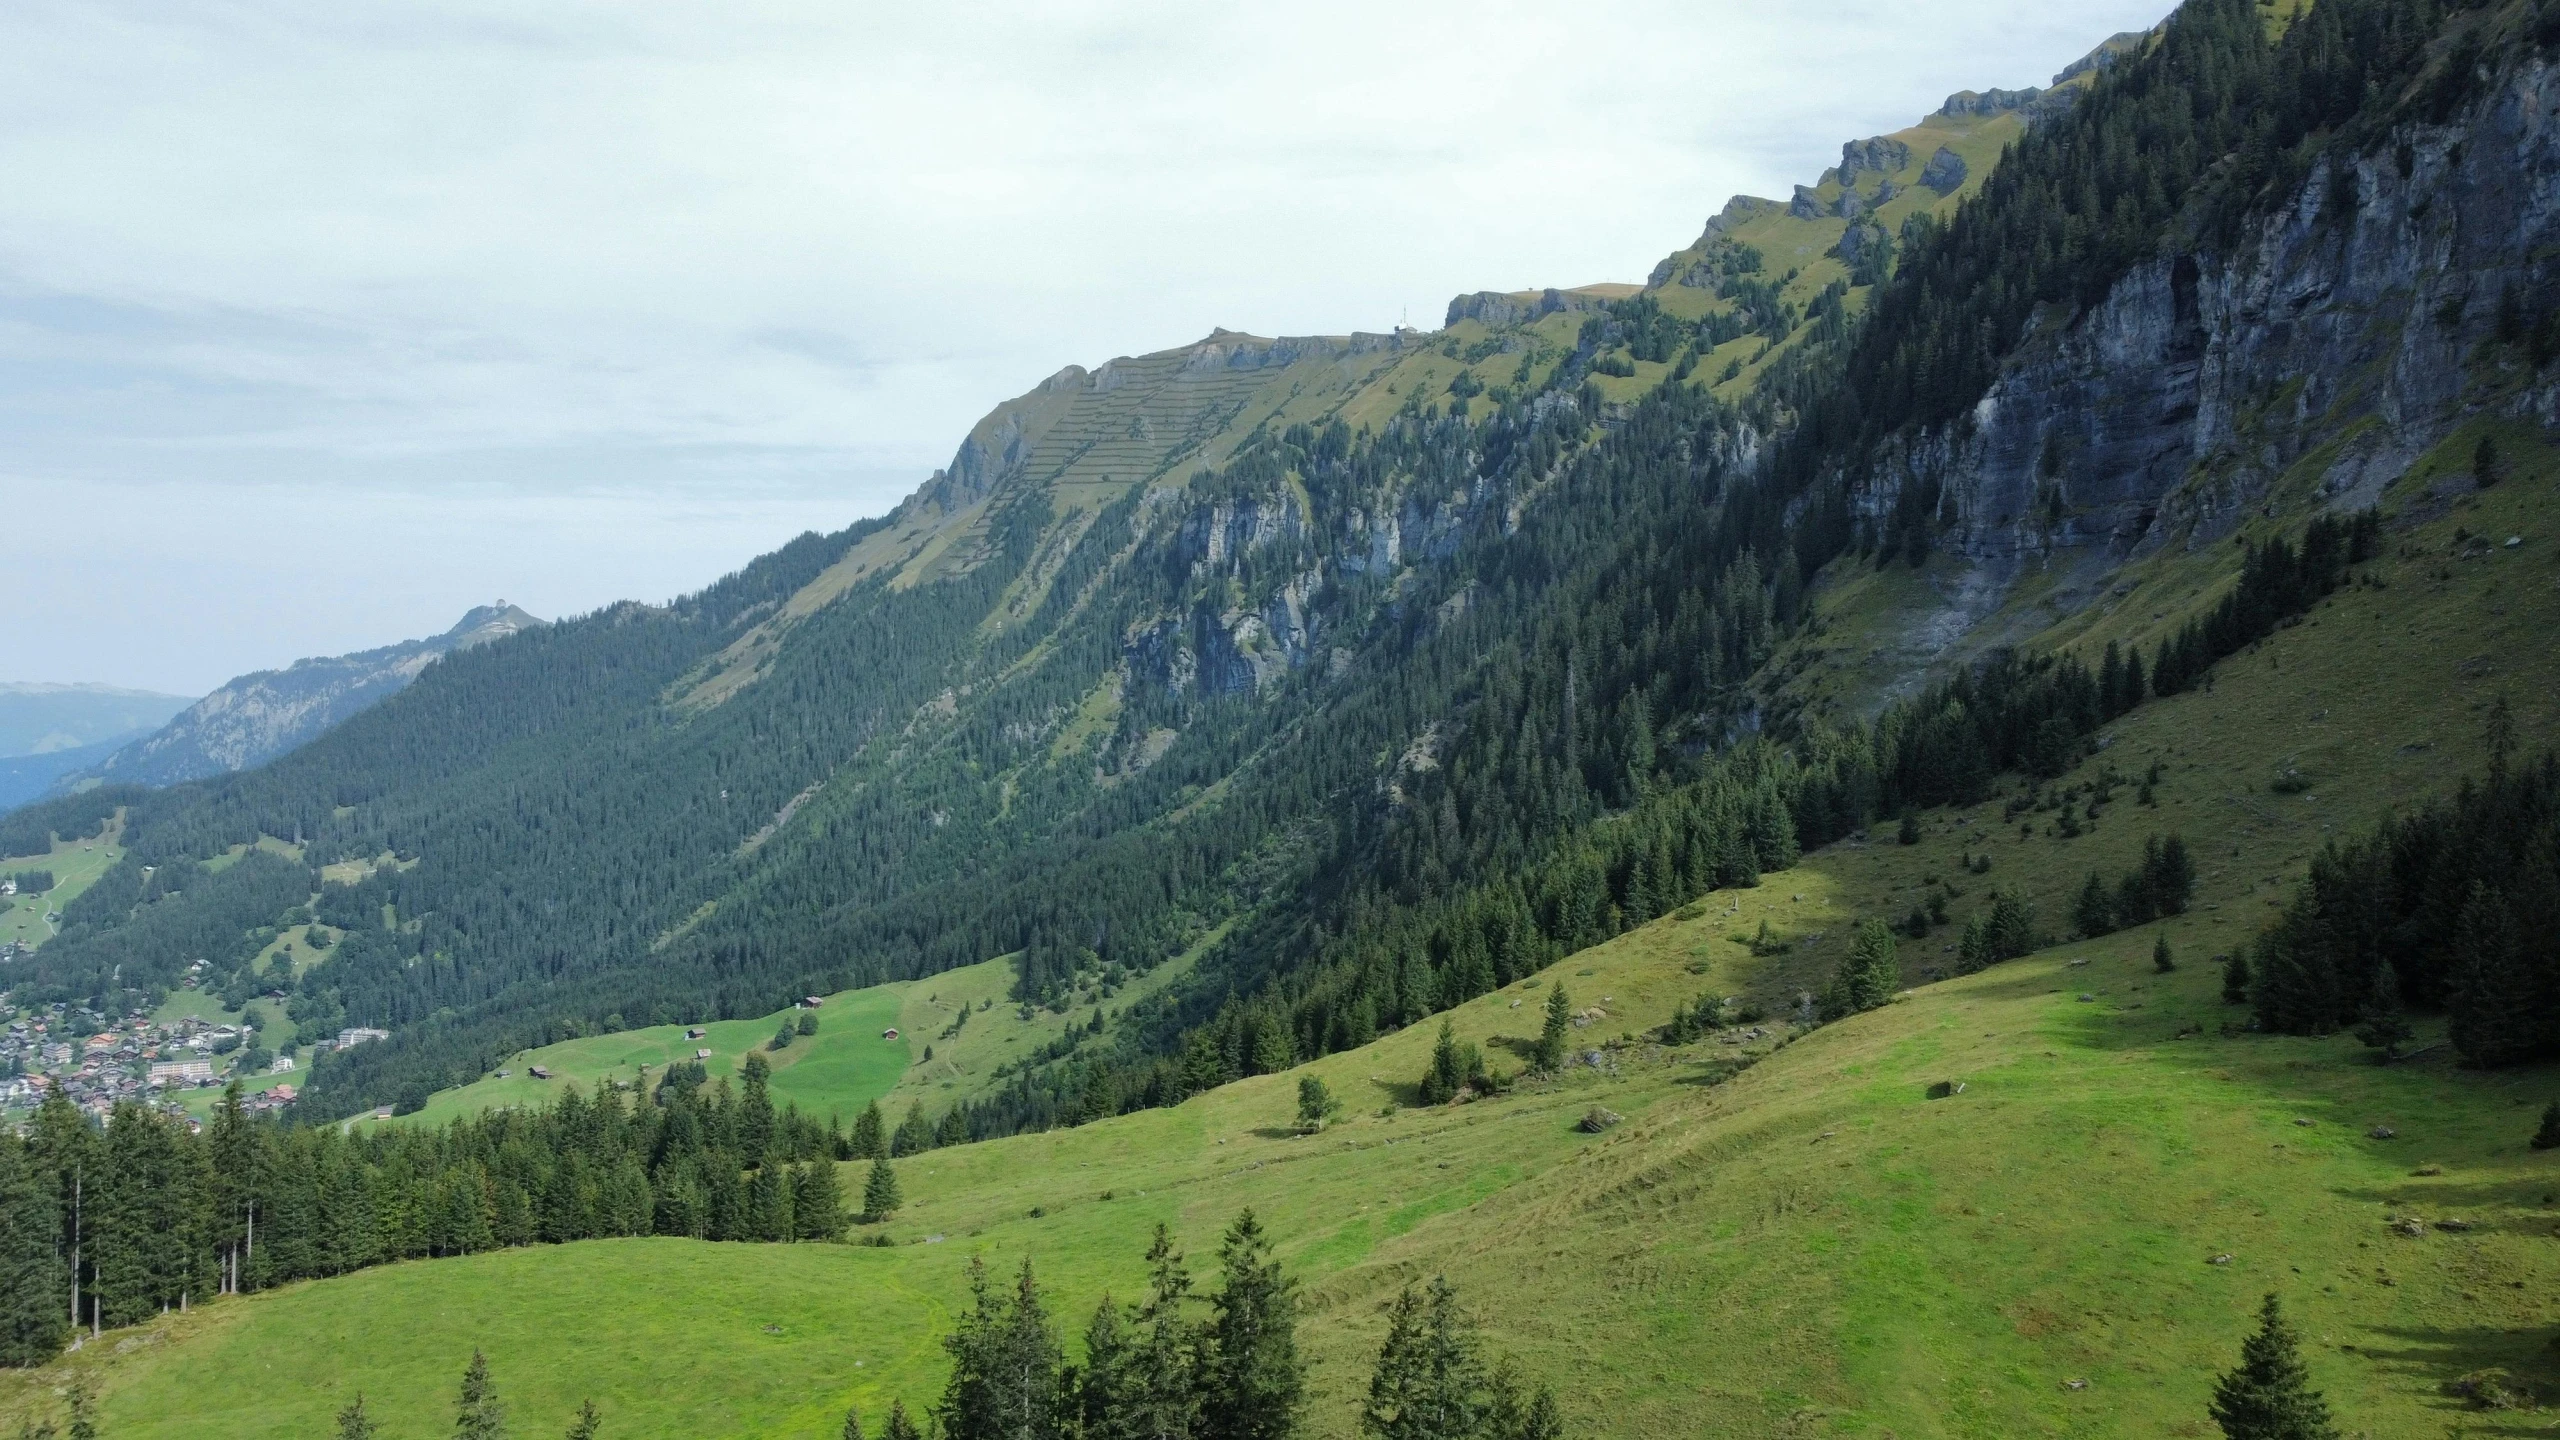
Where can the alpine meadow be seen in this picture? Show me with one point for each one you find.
(1941, 820)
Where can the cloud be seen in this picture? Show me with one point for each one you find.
(547, 249)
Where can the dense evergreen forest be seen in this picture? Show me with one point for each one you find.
(109, 1225)
(1548, 728)
(2455, 908)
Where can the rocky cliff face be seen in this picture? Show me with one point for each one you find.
(259, 716)
(2336, 342)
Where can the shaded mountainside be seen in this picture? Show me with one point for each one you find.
(47, 731)
(1372, 673)
(256, 717)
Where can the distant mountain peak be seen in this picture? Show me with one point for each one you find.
(253, 718)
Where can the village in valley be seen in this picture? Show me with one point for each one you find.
(100, 1060)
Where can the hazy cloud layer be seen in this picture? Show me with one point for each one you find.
(631, 293)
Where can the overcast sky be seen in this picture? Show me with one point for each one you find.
(320, 322)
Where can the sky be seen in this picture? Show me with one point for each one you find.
(321, 323)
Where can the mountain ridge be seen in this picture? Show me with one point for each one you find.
(252, 718)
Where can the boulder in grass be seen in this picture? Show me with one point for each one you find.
(1599, 1118)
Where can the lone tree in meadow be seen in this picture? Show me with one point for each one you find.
(353, 1423)
(477, 1415)
(2270, 1396)
(2161, 959)
(880, 1191)
(1315, 1103)
(1551, 1036)
(2548, 1137)
(589, 1421)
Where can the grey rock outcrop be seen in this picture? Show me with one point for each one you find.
(1945, 171)
(2162, 413)
(1879, 155)
(1988, 102)
(1500, 310)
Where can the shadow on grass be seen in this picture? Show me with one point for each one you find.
(2437, 1358)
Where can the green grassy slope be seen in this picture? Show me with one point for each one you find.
(842, 1068)
(848, 1064)
(76, 865)
(1812, 1247)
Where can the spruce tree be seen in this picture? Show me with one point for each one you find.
(2093, 914)
(1103, 1400)
(852, 1429)
(2386, 1026)
(353, 1423)
(899, 1426)
(477, 1415)
(880, 1191)
(1973, 952)
(1161, 1384)
(817, 1201)
(870, 1134)
(588, 1422)
(2269, 1397)
(1004, 1365)
(2235, 978)
(1868, 977)
(2548, 1137)
(2161, 960)
(1550, 1052)
(1252, 1381)
(34, 1283)
(84, 1413)
(2012, 926)
(915, 1133)
(2493, 1022)
(1428, 1384)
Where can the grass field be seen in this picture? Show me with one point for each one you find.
(844, 1066)
(1814, 1245)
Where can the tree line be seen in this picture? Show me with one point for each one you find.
(108, 1225)
(2453, 909)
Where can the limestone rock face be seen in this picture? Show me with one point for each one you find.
(1945, 171)
(1879, 155)
(2162, 413)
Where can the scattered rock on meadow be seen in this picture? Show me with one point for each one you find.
(1599, 1118)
